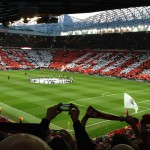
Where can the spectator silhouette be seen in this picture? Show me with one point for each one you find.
(40, 130)
(64, 140)
(23, 142)
(63, 137)
(3, 135)
(120, 139)
(122, 147)
(142, 137)
(145, 128)
(82, 138)
(58, 143)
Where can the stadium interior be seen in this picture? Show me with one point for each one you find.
(101, 57)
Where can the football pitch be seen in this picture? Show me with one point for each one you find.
(19, 97)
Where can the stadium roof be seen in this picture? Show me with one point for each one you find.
(11, 10)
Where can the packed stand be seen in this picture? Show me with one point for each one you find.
(82, 55)
(131, 41)
(20, 40)
(25, 59)
(123, 64)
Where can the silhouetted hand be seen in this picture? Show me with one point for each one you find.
(131, 120)
(84, 120)
(53, 111)
(93, 113)
(74, 112)
(87, 115)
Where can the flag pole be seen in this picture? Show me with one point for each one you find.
(126, 112)
(68, 125)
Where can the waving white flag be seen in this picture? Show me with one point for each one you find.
(129, 102)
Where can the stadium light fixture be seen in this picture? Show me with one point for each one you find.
(26, 48)
(145, 26)
(22, 19)
(28, 19)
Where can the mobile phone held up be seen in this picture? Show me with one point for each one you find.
(65, 107)
(56, 131)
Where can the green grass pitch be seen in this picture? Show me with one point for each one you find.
(19, 97)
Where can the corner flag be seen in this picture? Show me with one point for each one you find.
(129, 102)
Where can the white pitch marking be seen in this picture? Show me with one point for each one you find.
(140, 111)
(143, 101)
(98, 123)
(26, 113)
(105, 93)
(84, 99)
(144, 107)
(96, 109)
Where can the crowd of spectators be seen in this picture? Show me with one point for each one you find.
(20, 40)
(123, 64)
(132, 41)
(135, 136)
(81, 55)
(25, 59)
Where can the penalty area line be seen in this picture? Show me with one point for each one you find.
(84, 99)
(96, 109)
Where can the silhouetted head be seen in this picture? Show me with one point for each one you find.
(122, 147)
(145, 119)
(59, 143)
(120, 139)
(3, 135)
(23, 142)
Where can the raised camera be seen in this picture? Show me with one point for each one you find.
(57, 131)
